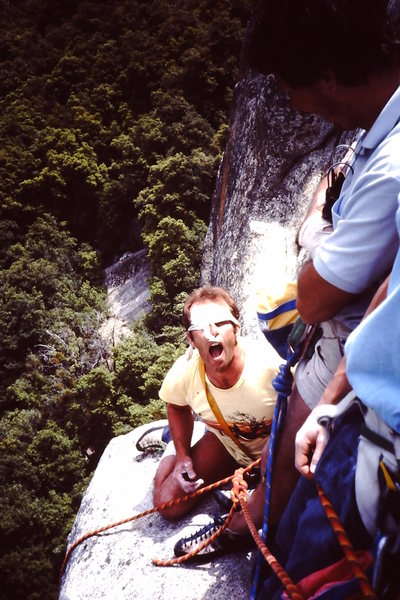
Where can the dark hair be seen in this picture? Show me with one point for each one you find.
(299, 40)
(211, 293)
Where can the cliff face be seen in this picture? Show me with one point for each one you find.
(272, 164)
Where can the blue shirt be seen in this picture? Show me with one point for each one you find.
(373, 353)
(362, 247)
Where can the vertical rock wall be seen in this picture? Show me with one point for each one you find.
(272, 164)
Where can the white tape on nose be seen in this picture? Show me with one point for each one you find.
(208, 334)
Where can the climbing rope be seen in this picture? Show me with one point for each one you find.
(282, 385)
(239, 494)
(346, 546)
(153, 510)
(239, 498)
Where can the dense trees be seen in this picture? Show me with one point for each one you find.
(112, 122)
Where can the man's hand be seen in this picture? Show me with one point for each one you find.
(180, 419)
(185, 475)
(312, 438)
(310, 443)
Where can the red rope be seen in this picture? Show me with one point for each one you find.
(150, 511)
(239, 498)
(346, 546)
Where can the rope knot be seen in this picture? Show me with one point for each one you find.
(239, 488)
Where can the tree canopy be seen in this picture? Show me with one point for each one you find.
(113, 117)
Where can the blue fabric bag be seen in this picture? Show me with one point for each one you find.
(276, 313)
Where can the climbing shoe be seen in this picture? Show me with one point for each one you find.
(225, 543)
(154, 439)
(223, 499)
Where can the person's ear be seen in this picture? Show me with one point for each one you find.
(189, 336)
(328, 81)
(237, 332)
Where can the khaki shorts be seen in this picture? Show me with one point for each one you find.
(314, 374)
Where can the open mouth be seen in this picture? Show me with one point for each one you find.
(215, 350)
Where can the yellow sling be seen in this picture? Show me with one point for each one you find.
(215, 408)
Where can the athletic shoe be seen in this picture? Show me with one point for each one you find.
(223, 544)
(223, 498)
(153, 439)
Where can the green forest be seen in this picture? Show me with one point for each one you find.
(113, 121)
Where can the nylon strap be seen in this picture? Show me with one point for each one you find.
(376, 438)
(215, 408)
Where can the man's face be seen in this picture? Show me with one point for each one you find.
(214, 334)
(325, 98)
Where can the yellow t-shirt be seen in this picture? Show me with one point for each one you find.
(247, 407)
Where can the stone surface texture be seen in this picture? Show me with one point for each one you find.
(117, 564)
(273, 163)
(127, 286)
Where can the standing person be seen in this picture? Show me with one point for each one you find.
(340, 60)
(222, 367)
(354, 84)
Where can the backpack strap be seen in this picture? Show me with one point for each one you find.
(216, 410)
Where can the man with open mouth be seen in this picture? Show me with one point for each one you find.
(219, 367)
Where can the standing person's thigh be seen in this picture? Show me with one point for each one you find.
(211, 460)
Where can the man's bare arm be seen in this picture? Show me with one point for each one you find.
(180, 420)
(311, 439)
(318, 300)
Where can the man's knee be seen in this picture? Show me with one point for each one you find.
(164, 470)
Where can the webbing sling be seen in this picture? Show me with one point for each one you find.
(215, 408)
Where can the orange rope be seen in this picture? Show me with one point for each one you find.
(150, 511)
(239, 491)
(239, 497)
(346, 546)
